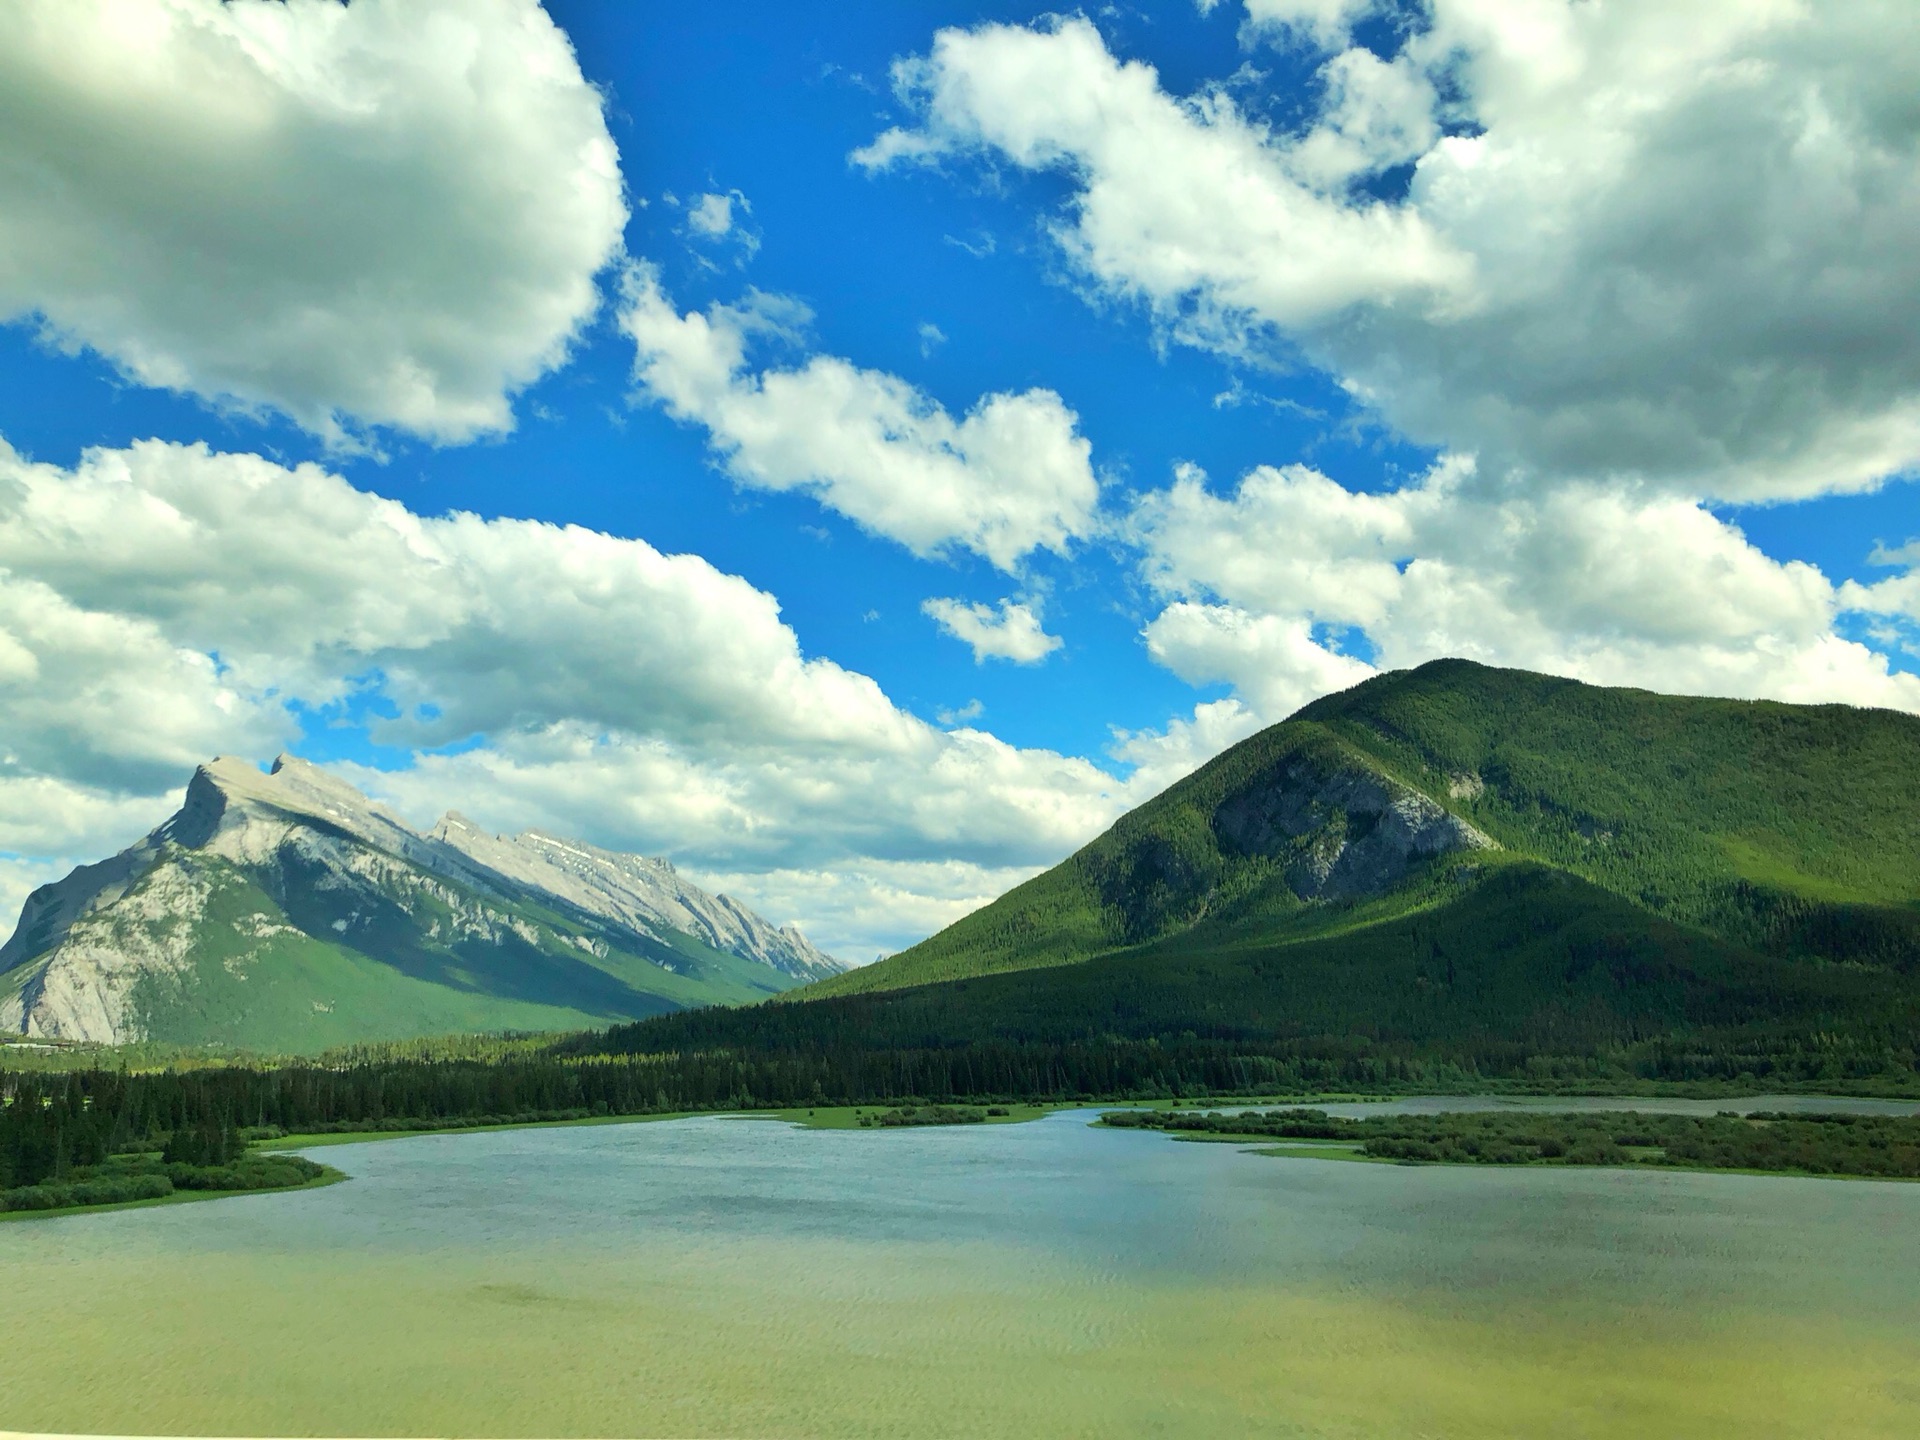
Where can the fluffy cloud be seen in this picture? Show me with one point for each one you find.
(1326, 22)
(722, 218)
(1182, 204)
(388, 213)
(1273, 661)
(1160, 757)
(867, 843)
(1583, 581)
(1630, 248)
(1008, 632)
(712, 215)
(164, 603)
(872, 907)
(1892, 605)
(1011, 476)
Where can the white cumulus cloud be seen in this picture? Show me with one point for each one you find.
(1327, 23)
(383, 214)
(1009, 631)
(163, 603)
(1631, 248)
(1011, 476)
(1585, 581)
(1181, 203)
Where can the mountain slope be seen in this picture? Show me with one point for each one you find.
(287, 911)
(1527, 971)
(1788, 830)
(636, 890)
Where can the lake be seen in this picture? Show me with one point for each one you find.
(742, 1277)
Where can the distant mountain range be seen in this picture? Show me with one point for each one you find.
(288, 912)
(1482, 866)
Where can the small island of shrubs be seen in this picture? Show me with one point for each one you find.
(49, 1162)
(934, 1115)
(1873, 1146)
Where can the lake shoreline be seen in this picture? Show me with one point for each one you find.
(331, 1176)
(1804, 1142)
(848, 1117)
(832, 1116)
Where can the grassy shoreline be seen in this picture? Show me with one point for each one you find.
(1347, 1154)
(845, 1117)
(1808, 1145)
(178, 1197)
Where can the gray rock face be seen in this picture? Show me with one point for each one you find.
(84, 942)
(1352, 832)
(97, 936)
(633, 890)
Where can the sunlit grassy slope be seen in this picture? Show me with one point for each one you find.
(1790, 831)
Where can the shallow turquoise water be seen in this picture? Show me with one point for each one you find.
(735, 1276)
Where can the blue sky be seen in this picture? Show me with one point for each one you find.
(1326, 336)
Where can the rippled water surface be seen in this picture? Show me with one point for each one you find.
(741, 1277)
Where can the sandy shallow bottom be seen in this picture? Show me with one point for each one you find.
(926, 1343)
(735, 1279)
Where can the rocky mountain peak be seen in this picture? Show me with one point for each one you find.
(236, 809)
(326, 866)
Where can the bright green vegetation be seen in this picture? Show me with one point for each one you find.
(1793, 827)
(61, 1151)
(123, 1180)
(905, 1116)
(866, 1117)
(1875, 1146)
(1793, 830)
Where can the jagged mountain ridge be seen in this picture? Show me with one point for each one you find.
(287, 910)
(635, 889)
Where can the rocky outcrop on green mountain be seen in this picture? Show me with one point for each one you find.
(1346, 832)
(286, 910)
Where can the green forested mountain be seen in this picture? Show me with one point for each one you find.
(1454, 865)
(1792, 830)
